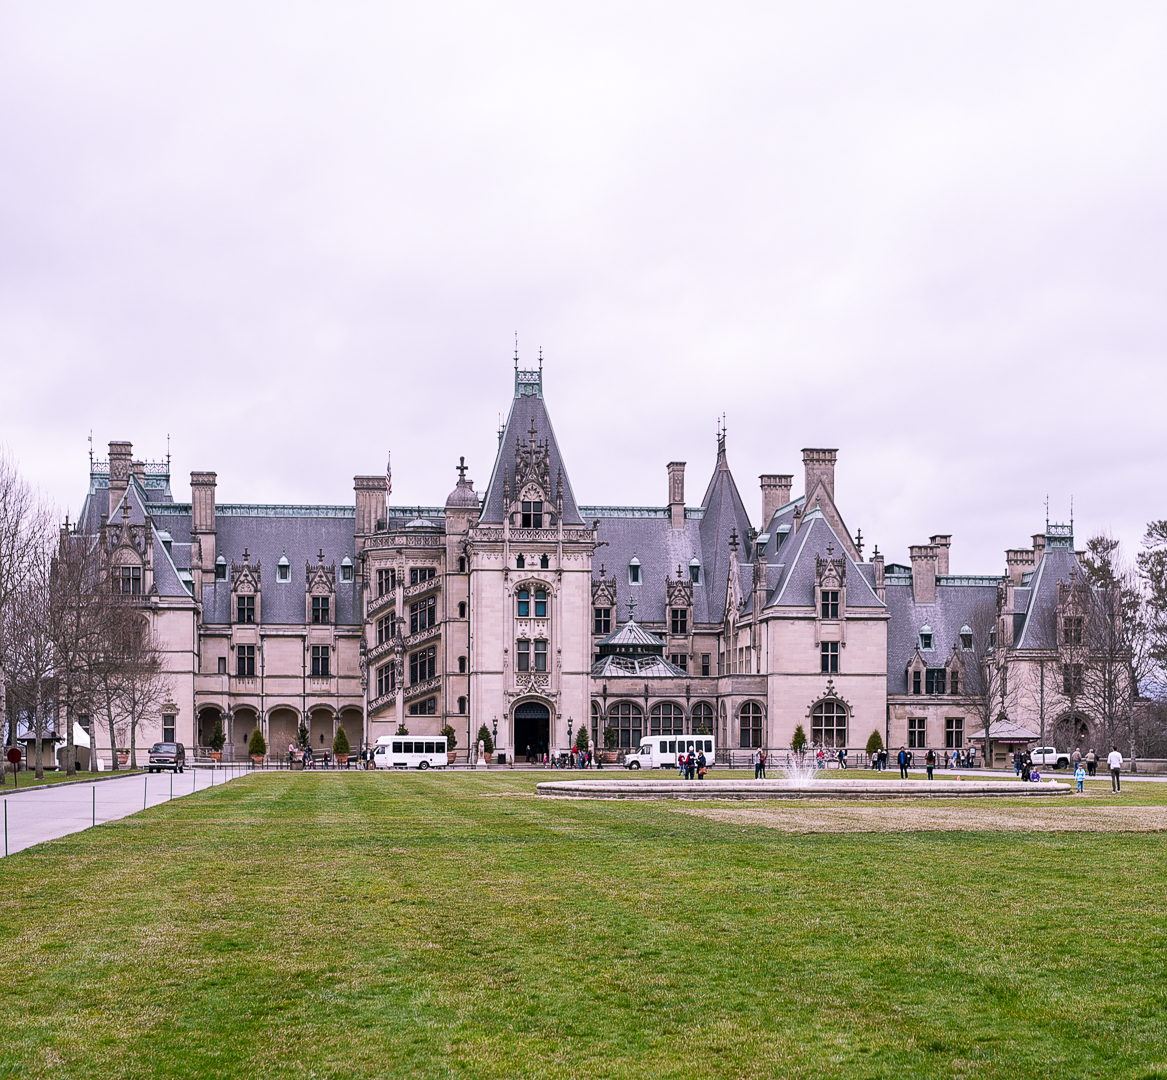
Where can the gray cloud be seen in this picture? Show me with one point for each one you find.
(292, 239)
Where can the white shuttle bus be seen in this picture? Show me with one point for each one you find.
(660, 752)
(407, 752)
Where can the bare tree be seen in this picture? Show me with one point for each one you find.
(22, 528)
(1115, 630)
(32, 670)
(984, 668)
(143, 682)
(104, 665)
(1152, 567)
(75, 619)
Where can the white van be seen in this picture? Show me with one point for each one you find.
(660, 751)
(407, 752)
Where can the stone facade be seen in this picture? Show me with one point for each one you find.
(492, 609)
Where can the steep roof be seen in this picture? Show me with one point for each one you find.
(1040, 630)
(796, 579)
(724, 515)
(528, 415)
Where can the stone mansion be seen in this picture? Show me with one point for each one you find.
(518, 608)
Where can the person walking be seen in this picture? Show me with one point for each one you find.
(291, 754)
(1114, 763)
(930, 762)
(902, 759)
(1091, 763)
(757, 764)
(842, 755)
(701, 765)
(1076, 757)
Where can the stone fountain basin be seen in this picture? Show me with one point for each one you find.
(799, 789)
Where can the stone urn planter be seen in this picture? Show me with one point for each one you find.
(450, 755)
(257, 760)
(608, 757)
(341, 759)
(215, 755)
(123, 758)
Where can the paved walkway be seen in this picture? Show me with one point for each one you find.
(55, 810)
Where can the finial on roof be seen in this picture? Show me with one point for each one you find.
(632, 609)
(830, 549)
(1047, 513)
(601, 571)
(859, 543)
(246, 556)
(516, 350)
(461, 470)
(321, 555)
(733, 539)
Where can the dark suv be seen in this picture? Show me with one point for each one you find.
(167, 755)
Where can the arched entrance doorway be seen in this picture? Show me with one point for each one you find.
(1072, 732)
(532, 728)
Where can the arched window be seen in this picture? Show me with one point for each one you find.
(461, 665)
(523, 599)
(702, 718)
(628, 720)
(596, 733)
(694, 571)
(520, 562)
(666, 719)
(634, 571)
(724, 726)
(462, 610)
(462, 706)
(829, 724)
(751, 725)
(540, 603)
(544, 562)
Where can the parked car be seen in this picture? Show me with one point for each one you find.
(1047, 755)
(167, 755)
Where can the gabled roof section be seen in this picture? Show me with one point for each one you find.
(816, 538)
(724, 516)
(528, 415)
(1041, 617)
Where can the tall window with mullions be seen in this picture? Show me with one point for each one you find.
(628, 720)
(750, 725)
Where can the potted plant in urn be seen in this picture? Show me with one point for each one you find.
(257, 747)
(611, 738)
(487, 742)
(451, 743)
(216, 741)
(340, 746)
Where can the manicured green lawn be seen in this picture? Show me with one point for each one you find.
(57, 776)
(450, 925)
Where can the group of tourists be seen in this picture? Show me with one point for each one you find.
(690, 765)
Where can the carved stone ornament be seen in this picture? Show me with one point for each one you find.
(533, 462)
(604, 591)
(679, 592)
(830, 573)
(321, 579)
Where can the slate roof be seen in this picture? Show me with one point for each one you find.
(1041, 630)
(527, 408)
(796, 572)
(648, 667)
(955, 606)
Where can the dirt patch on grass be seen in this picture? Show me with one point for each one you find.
(822, 816)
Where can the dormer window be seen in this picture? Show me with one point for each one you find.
(966, 637)
(634, 571)
(694, 571)
(320, 609)
(245, 609)
(1072, 630)
(130, 581)
(283, 569)
(220, 569)
(533, 515)
(926, 637)
(346, 569)
(829, 605)
(544, 562)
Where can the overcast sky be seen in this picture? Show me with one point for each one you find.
(295, 237)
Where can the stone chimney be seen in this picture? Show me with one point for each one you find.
(370, 492)
(120, 456)
(819, 465)
(775, 494)
(1017, 561)
(202, 506)
(1038, 547)
(924, 560)
(880, 586)
(139, 470)
(677, 493)
(941, 542)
